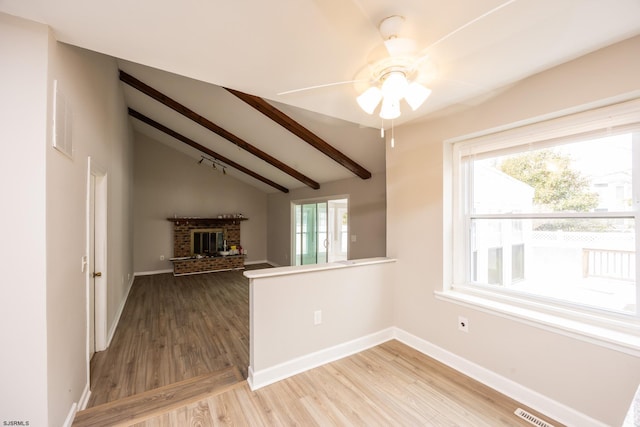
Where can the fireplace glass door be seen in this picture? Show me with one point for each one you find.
(207, 242)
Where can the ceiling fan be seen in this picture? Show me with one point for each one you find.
(391, 74)
(395, 77)
(397, 70)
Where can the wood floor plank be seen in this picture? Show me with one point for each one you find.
(142, 406)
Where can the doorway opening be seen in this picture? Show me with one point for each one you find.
(320, 231)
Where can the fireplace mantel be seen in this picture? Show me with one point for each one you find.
(185, 220)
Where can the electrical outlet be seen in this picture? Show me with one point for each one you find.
(317, 317)
(463, 324)
(161, 257)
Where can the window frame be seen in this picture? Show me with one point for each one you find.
(598, 325)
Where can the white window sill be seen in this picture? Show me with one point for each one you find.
(612, 334)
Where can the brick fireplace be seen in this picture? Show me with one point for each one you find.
(185, 261)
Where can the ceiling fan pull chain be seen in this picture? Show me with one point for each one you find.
(393, 142)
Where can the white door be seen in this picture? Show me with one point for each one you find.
(92, 263)
(96, 260)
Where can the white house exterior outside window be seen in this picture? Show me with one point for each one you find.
(546, 215)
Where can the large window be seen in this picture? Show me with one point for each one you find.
(549, 212)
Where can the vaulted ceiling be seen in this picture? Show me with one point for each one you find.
(191, 50)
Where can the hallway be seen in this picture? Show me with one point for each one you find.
(172, 329)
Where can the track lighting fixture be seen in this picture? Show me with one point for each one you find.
(215, 163)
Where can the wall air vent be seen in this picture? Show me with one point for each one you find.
(531, 418)
(61, 122)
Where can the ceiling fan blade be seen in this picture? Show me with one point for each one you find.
(287, 92)
(473, 21)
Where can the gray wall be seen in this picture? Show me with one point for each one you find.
(367, 217)
(167, 183)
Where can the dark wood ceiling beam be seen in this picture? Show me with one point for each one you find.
(300, 131)
(202, 148)
(190, 114)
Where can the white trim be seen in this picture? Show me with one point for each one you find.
(151, 273)
(208, 271)
(76, 407)
(609, 113)
(71, 415)
(116, 320)
(310, 268)
(264, 377)
(84, 399)
(264, 261)
(274, 264)
(522, 394)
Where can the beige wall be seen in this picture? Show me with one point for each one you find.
(44, 370)
(355, 312)
(594, 380)
(168, 182)
(100, 129)
(367, 216)
(23, 293)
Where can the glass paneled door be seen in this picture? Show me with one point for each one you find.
(315, 232)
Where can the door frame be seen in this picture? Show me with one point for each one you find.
(100, 246)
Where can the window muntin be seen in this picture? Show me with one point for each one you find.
(579, 248)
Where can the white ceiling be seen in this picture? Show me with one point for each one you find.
(264, 48)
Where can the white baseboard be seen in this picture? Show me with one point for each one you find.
(71, 415)
(84, 399)
(151, 273)
(274, 264)
(522, 394)
(75, 407)
(116, 320)
(264, 261)
(258, 379)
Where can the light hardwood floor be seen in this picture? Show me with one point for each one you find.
(175, 328)
(388, 385)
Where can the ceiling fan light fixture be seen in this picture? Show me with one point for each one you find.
(390, 108)
(369, 99)
(416, 94)
(394, 85)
